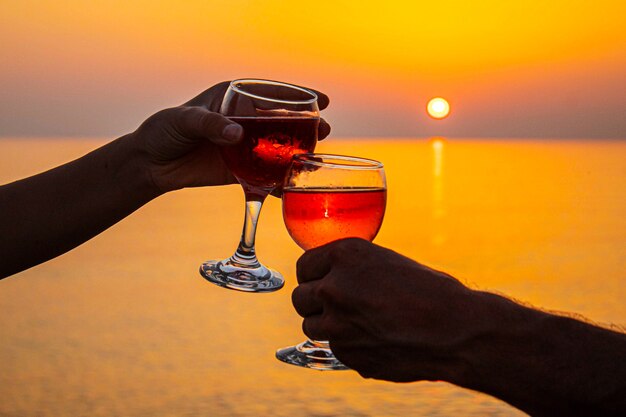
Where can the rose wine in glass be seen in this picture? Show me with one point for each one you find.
(326, 198)
(279, 121)
(316, 216)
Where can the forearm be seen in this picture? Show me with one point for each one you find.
(50, 213)
(545, 364)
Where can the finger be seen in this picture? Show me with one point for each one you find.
(199, 123)
(210, 98)
(357, 359)
(314, 264)
(322, 99)
(324, 130)
(312, 326)
(304, 300)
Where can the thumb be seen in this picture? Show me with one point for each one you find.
(196, 122)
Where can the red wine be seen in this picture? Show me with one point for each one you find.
(263, 156)
(320, 215)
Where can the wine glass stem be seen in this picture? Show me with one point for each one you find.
(245, 253)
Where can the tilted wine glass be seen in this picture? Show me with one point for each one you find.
(279, 121)
(326, 198)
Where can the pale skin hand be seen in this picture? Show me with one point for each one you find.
(390, 318)
(50, 213)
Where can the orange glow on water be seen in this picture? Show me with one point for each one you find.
(126, 323)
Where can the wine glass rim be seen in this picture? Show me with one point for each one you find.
(366, 164)
(233, 85)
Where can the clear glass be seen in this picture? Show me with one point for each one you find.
(279, 120)
(326, 198)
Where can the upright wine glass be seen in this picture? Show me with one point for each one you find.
(326, 198)
(279, 121)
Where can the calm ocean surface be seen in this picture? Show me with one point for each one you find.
(125, 326)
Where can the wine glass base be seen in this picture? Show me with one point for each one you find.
(237, 277)
(309, 355)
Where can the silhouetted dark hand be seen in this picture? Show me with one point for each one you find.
(174, 148)
(390, 318)
(385, 315)
(181, 143)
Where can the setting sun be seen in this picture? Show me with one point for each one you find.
(438, 108)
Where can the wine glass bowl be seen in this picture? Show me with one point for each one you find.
(279, 121)
(325, 198)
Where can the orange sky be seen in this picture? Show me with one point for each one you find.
(509, 69)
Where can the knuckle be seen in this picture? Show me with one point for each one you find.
(297, 299)
(199, 120)
(295, 295)
(325, 291)
(332, 327)
(188, 116)
(311, 330)
(338, 250)
(351, 243)
(305, 327)
(301, 263)
(344, 250)
(211, 120)
(159, 119)
(300, 270)
(306, 265)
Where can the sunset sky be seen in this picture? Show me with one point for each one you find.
(508, 68)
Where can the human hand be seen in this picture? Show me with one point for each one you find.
(390, 318)
(180, 145)
(385, 316)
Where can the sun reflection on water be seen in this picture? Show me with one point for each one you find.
(438, 204)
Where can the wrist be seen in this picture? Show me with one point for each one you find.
(497, 345)
(131, 165)
(127, 165)
(542, 363)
